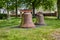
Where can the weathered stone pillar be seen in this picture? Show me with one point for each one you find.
(26, 21)
(40, 19)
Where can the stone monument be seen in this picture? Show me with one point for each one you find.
(26, 21)
(39, 19)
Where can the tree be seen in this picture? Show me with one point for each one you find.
(16, 4)
(58, 8)
(8, 6)
(11, 5)
(1, 4)
(46, 4)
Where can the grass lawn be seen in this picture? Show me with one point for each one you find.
(47, 32)
(9, 23)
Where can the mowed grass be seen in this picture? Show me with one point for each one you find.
(8, 23)
(38, 33)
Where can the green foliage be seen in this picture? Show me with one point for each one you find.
(1, 3)
(46, 4)
(49, 4)
(9, 4)
(3, 16)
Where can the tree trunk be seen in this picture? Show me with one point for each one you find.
(0, 10)
(58, 8)
(3, 10)
(8, 15)
(16, 10)
(33, 8)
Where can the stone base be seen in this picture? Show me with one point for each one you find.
(39, 24)
(28, 26)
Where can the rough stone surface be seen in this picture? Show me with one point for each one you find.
(26, 21)
(40, 19)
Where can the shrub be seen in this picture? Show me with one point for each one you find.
(3, 16)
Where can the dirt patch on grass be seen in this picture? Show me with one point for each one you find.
(56, 34)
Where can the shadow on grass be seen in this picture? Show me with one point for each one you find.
(50, 22)
(36, 26)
